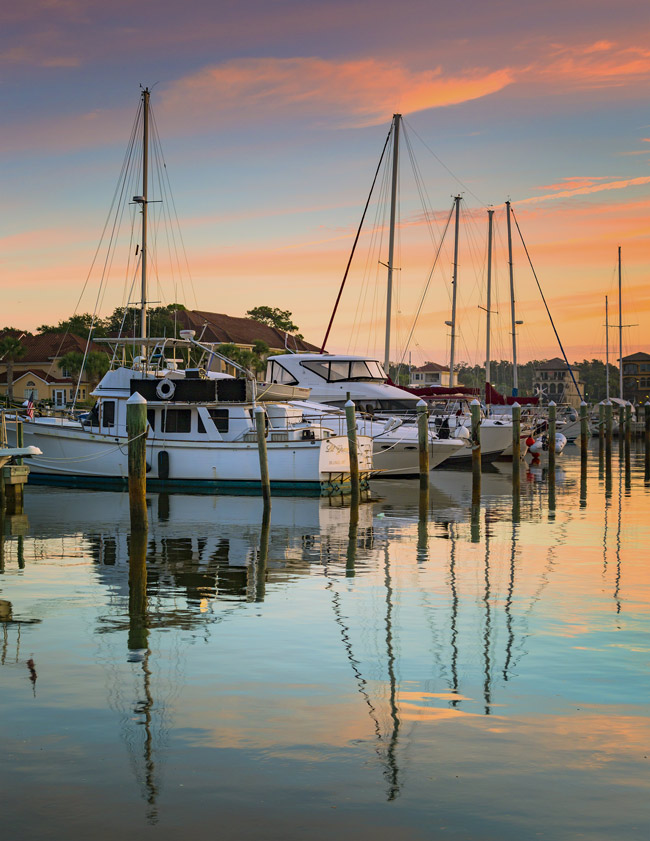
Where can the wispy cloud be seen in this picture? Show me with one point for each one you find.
(590, 186)
(363, 92)
(600, 64)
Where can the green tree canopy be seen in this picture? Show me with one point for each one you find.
(274, 317)
(78, 325)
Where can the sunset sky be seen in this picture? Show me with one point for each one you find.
(272, 117)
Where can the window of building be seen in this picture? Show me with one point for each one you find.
(177, 420)
(31, 392)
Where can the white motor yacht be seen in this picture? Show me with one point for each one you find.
(331, 377)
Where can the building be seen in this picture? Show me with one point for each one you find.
(430, 375)
(636, 377)
(39, 373)
(552, 381)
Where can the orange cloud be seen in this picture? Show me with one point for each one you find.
(602, 64)
(366, 91)
(588, 187)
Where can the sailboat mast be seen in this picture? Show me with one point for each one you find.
(513, 317)
(145, 187)
(606, 348)
(620, 329)
(391, 242)
(488, 311)
(454, 283)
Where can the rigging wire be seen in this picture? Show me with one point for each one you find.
(444, 165)
(426, 287)
(356, 239)
(557, 336)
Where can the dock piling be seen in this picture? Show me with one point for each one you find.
(351, 422)
(260, 427)
(608, 429)
(423, 444)
(475, 409)
(584, 432)
(516, 436)
(136, 433)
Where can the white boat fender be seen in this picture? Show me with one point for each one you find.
(461, 432)
(391, 424)
(165, 389)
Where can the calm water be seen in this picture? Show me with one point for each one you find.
(465, 678)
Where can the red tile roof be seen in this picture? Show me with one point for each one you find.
(431, 367)
(36, 372)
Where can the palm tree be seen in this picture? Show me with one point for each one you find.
(11, 349)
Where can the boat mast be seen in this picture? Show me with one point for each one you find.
(391, 242)
(142, 200)
(606, 348)
(513, 317)
(454, 284)
(488, 310)
(620, 329)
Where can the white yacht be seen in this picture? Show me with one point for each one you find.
(331, 377)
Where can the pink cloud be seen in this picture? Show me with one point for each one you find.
(602, 64)
(587, 188)
(365, 91)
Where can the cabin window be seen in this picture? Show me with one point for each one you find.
(320, 368)
(108, 413)
(220, 419)
(151, 419)
(339, 371)
(277, 373)
(177, 420)
(200, 427)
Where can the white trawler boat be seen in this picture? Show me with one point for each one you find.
(201, 434)
(201, 429)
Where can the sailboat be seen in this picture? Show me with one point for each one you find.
(201, 432)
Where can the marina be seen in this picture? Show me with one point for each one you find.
(325, 421)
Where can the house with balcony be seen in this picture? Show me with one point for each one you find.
(636, 377)
(552, 380)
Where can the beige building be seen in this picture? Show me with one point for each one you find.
(39, 373)
(430, 375)
(552, 381)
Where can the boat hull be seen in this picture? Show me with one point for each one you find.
(77, 457)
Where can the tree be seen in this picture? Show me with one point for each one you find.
(95, 366)
(11, 349)
(253, 360)
(78, 325)
(274, 317)
(160, 321)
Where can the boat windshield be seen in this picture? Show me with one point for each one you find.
(380, 407)
(343, 370)
(276, 373)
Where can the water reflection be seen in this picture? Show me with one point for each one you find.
(350, 658)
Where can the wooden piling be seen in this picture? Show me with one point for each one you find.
(20, 439)
(552, 419)
(423, 444)
(621, 430)
(260, 426)
(516, 436)
(609, 425)
(475, 409)
(646, 439)
(584, 432)
(136, 433)
(351, 421)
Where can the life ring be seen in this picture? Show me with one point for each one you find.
(165, 389)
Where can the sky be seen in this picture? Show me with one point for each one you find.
(272, 117)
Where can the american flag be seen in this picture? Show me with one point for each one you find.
(30, 409)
